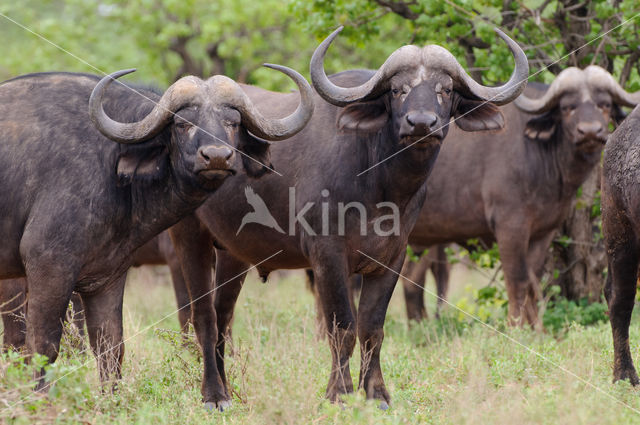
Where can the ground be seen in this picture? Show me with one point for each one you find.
(437, 373)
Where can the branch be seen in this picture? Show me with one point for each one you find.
(401, 8)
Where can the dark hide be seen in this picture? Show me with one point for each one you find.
(620, 225)
(321, 164)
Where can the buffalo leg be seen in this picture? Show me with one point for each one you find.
(230, 275)
(518, 278)
(12, 309)
(331, 283)
(194, 248)
(620, 291)
(182, 294)
(413, 288)
(374, 301)
(103, 315)
(48, 299)
(441, 269)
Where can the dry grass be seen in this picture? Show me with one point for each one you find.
(437, 373)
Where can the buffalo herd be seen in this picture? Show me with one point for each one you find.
(93, 171)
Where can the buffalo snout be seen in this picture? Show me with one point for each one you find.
(591, 131)
(214, 158)
(420, 124)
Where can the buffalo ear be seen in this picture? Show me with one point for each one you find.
(363, 116)
(145, 164)
(541, 128)
(617, 114)
(475, 115)
(259, 153)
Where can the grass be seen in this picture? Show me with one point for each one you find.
(438, 372)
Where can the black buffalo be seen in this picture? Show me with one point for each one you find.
(621, 228)
(75, 205)
(516, 185)
(396, 117)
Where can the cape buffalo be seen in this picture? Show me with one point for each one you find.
(620, 225)
(386, 125)
(75, 205)
(515, 186)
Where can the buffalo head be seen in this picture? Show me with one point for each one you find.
(206, 122)
(579, 104)
(417, 90)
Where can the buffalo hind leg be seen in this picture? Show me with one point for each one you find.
(103, 316)
(230, 275)
(441, 269)
(194, 248)
(620, 291)
(374, 300)
(413, 288)
(13, 301)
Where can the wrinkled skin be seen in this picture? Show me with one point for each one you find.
(620, 224)
(515, 186)
(336, 145)
(75, 205)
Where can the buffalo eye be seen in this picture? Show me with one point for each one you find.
(395, 92)
(447, 91)
(183, 126)
(604, 105)
(568, 108)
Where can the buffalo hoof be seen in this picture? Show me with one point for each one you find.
(383, 405)
(220, 406)
(628, 374)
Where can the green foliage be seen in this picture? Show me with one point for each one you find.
(412, 256)
(561, 313)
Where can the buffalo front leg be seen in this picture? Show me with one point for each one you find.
(331, 284)
(620, 291)
(47, 299)
(13, 301)
(194, 248)
(523, 301)
(103, 316)
(230, 275)
(374, 300)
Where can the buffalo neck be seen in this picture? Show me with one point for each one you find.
(399, 170)
(563, 164)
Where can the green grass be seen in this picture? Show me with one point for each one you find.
(437, 372)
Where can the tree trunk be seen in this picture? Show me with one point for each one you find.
(577, 259)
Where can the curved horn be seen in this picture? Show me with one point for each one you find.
(507, 92)
(178, 94)
(412, 56)
(569, 79)
(600, 78)
(270, 128)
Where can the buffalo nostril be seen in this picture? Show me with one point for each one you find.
(425, 119)
(213, 153)
(593, 128)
